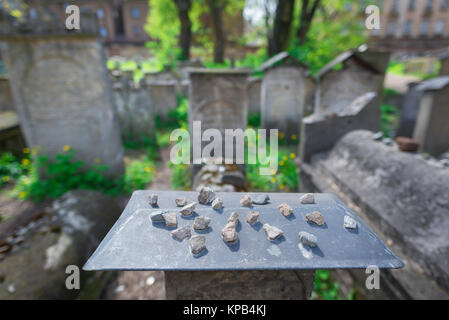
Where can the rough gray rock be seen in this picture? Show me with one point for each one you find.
(206, 195)
(315, 217)
(197, 244)
(217, 204)
(66, 234)
(181, 202)
(201, 223)
(188, 210)
(157, 216)
(153, 200)
(272, 232)
(285, 209)
(170, 218)
(349, 223)
(307, 198)
(181, 233)
(252, 217)
(246, 201)
(229, 232)
(261, 199)
(308, 239)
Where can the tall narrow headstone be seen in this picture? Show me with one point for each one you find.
(254, 88)
(61, 89)
(217, 98)
(286, 90)
(432, 125)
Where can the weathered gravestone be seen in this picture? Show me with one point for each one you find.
(409, 110)
(217, 99)
(163, 96)
(6, 103)
(286, 91)
(134, 109)
(403, 198)
(347, 98)
(432, 124)
(444, 64)
(254, 88)
(61, 89)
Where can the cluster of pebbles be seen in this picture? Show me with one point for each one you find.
(229, 233)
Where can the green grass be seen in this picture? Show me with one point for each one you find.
(325, 288)
(389, 119)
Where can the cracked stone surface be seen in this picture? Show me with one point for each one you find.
(188, 210)
(261, 199)
(201, 223)
(308, 239)
(206, 195)
(181, 233)
(272, 232)
(217, 204)
(181, 202)
(229, 232)
(246, 201)
(349, 223)
(307, 198)
(285, 209)
(197, 244)
(170, 218)
(252, 217)
(157, 216)
(315, 217)
(153, 200)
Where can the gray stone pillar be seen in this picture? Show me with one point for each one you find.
(239, 285)
(61, 89)
(217, 98)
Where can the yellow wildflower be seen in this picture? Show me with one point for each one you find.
(5, 179)
(292, 155)
(22, 195)
(282, 186)
(25, 162)
(285, 158)
(273, 179)
(273, 171)
(281, 163)
(26, 150)
(281, 135)
(66, 148)
(293, 136)
(97, 160)
(147, 169)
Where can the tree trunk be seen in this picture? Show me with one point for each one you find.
(216, 10)
(280, 37)
(186, 27)
(307, 14)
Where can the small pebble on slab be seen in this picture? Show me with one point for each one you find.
(197, 244)
(252, 217)
(285, 209)
(181, 202)
(307, 198)
(201, 223)
(316, 218)
(181, 233)
(229, 232)
(170, 218)
(188, 210)
(308, 238)
(157, 216)
(206, 195)
(153, 200)
(217, 204)
(349, 223)
(261, 199)
(246, 201)
(272, 232)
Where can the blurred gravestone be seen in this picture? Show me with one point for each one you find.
(163, 96)
(286, 90)
(254, 87)
(61, 88)
(409, 110)
(432, 124)
(6, 103)
(218, 98)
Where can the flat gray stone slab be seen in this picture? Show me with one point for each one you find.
(134, 243)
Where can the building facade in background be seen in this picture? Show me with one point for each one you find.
(412, 25)
(121, 21)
